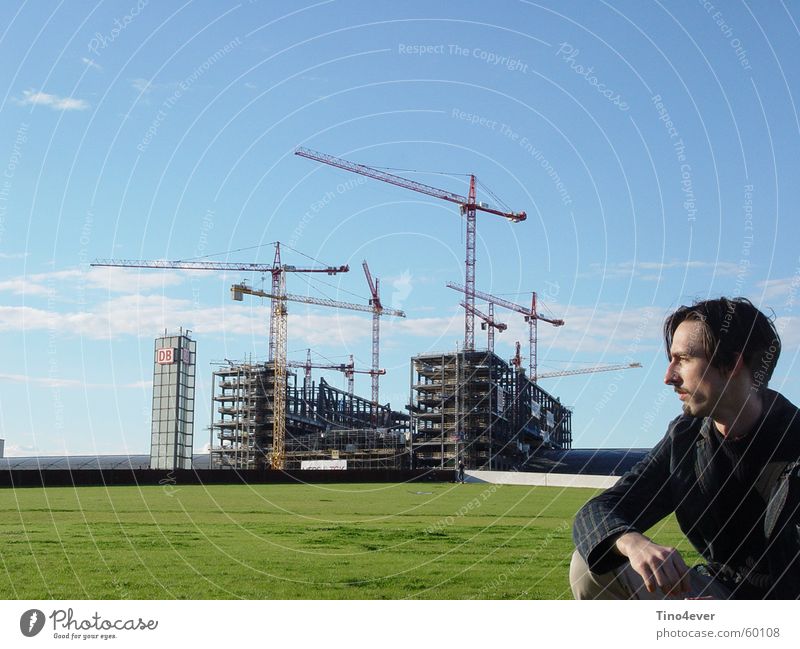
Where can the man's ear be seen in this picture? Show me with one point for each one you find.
(738, 366)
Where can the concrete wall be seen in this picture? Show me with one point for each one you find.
(542, 479)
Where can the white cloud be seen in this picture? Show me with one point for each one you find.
(15, 450)
(55, 382)
(13, 255)
(142, 86)
(110, 279)
(37, 98)
(90, 63)
(652, 270)
(775, 289)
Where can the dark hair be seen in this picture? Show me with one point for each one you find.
(732, 326)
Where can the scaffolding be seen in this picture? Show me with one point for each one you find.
(322, 423)
(472, 405)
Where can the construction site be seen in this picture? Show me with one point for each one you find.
(466, 406)
(321, 423)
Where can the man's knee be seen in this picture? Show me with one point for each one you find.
(581, 580)
(586, 584)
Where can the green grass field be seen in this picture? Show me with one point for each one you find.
(376, 541)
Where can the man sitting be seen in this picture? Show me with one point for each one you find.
(728, 468)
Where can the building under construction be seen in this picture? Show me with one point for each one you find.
(474, 406)
(323, 423)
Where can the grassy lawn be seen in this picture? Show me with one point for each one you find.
(379, 541)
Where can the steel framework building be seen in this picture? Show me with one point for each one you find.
(474, 406)
(322, 423)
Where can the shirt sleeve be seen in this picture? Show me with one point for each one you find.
(638, 501)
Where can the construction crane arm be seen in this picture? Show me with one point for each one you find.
(589, 370)
(347, 368)
(196, 265)
(213, 265)
(380, 175)
(500, 326)
(413, 185)
(504, 303)
(373, 287)
(242, 288)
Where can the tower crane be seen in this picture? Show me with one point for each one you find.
(348, 369)
(532, 317)
(237, 290)
(488, 323)
(589, 370)
(377, 311)
(277, 333)
(468, 206)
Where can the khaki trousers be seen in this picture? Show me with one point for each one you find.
(626, 583)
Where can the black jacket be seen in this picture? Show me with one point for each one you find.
(674, 478)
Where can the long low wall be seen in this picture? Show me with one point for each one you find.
(109, 477)
(542, 479)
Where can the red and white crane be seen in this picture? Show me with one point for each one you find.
(532, 317)
(468, 206)
(377, 311)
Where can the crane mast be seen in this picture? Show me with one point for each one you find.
(375, 302)
(468, 207)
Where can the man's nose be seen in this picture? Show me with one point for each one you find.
(672, 377)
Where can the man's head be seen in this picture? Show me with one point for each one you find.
(717, 345)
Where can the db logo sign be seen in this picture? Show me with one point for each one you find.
(31, 622)
(165, 356)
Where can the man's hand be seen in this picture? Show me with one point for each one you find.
(659, 566)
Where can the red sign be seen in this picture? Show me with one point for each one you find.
(165, 356)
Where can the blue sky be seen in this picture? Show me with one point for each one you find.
(652, 144)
